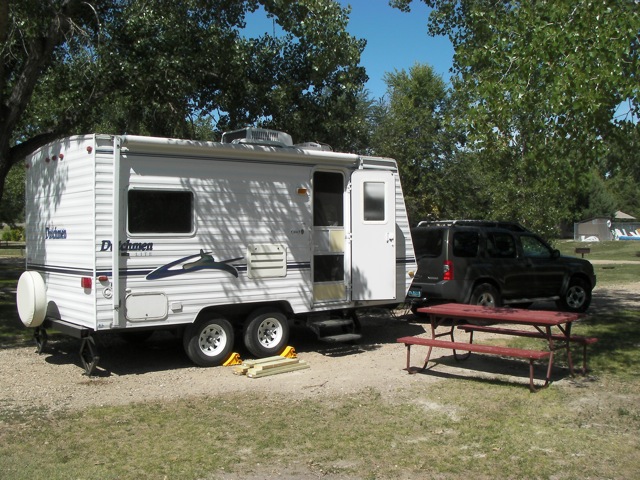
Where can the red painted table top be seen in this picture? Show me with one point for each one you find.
(501, 314)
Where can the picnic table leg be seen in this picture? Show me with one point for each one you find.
(584, 358)
(532, 385)
(567, 333)
(457, 357)
(426, 359)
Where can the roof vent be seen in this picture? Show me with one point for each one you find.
(314, 146)
(258, 136)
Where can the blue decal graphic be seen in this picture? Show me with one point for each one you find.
(205, 262)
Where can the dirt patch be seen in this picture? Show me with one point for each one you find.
(158, 369)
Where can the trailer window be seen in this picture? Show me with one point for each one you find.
(373, 201)
(160, 211)
(328, 268)
(328, 204)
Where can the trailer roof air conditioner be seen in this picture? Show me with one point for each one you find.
(260, 136)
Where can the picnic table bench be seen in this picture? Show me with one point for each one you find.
(461, 316)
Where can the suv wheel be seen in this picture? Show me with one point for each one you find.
(577, 297)
(486, 295)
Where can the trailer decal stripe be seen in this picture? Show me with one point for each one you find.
(404, 261)
(133, 272)
(57, 269)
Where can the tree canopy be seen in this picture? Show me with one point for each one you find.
(172, 68)
(410, 127)
(542, 87)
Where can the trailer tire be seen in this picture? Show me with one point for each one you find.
(31, 299)
(266, 332)
(208, 342)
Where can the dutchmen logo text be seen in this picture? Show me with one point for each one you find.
(127, 246)
(55, 233)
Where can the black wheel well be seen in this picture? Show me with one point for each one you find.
(482, 281)
(580, 276)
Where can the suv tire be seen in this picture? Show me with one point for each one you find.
(486, 295)
(577, 298)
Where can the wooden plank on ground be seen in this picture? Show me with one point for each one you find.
(264, 364)
(275, 364)
(275, 371)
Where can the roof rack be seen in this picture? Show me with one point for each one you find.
(513, 226)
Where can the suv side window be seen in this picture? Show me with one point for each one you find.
(465, 244)
(533, 247)
(501, 245)
(428, 243)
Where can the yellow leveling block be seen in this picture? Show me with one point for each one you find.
(289, 352)
(234, 359)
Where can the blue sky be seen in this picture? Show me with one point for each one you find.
(395, 40)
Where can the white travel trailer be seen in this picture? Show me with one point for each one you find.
(213, 240)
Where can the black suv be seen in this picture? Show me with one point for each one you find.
(494, 264)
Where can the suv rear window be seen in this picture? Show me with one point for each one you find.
(427, 243)
(465, 244)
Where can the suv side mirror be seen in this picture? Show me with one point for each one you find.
(555, 253)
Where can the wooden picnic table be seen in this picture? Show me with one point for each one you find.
(553, 327)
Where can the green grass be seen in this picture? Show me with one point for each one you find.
(11, 329)
(454, 428)
(615, 274)
(613, 251)
(12, 252)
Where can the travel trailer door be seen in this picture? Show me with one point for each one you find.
(373, 232)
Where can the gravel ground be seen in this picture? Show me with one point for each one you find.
(158, 369)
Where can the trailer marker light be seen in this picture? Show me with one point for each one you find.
(89, 149)
(60, 157)
(85, 282)
(302, 191)
(47, 160)
(103, 278)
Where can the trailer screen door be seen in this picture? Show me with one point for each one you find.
(373, 247)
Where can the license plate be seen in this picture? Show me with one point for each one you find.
(415, 293)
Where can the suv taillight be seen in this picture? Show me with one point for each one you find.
(447, 270)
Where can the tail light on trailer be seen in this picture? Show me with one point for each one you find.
(85, 282)
(447, 270)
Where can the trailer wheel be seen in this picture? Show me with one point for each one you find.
(31, 299)
(209, 342)
(266, 332)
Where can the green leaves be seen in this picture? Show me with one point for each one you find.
(410, 126)
(169, 68)
(538, 84)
